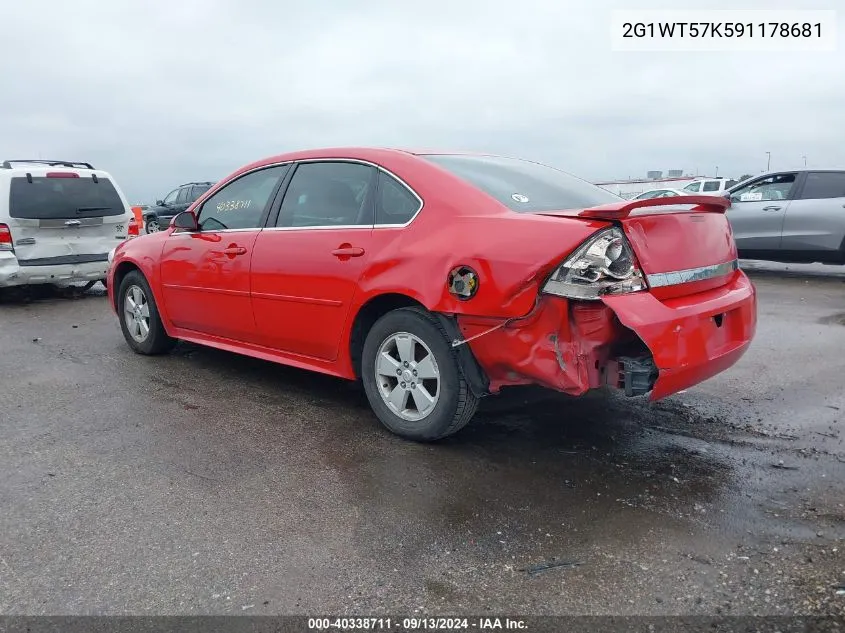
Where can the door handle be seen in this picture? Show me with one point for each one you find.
(771, 208)
(348, 251)
(234, 250)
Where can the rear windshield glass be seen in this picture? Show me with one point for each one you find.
(55, 198)
(524, 186)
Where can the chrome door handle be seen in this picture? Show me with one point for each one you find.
(234, 250)
(771, 208)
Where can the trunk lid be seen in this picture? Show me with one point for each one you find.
(65, 217)
(683, 244)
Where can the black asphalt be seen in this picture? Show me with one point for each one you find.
(206, 482)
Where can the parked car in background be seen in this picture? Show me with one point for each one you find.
(437, 279)
(790, 216)
(660, 193)
(709, 186)
(58, 222)
(158, 216)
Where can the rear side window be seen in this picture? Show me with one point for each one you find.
(183, 195)
(63, 198)
(524, 186)
(197, 191)
(395, 204)
(711, 185)
(820, 185)
(328, 194)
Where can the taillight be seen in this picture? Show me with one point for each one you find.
(6, 243)
(133, 229)
(604, 264)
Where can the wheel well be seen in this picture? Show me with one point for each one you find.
(369, 313)
(120, 272)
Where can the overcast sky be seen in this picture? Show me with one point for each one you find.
(160, 93)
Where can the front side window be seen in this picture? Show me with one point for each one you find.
(693, 186)
(241, 203)
(711, 185)
(171, 197)
(522, 185)
(821, 185)
(395, 204)
(776, 187)
(331, 193)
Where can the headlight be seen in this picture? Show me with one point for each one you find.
(604, 264)
(111, 254)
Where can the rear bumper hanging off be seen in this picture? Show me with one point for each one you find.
(635, 342)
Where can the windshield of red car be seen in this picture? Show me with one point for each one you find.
(522, 185)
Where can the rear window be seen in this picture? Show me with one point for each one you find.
(524, 186)
(61, 198)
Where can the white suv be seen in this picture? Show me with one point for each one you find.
(710, 186)
(58, 222)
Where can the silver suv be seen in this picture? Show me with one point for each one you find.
(790, 216)
(58, 222)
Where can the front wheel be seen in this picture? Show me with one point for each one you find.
(139, 317)
(412, 378)
(152, 226)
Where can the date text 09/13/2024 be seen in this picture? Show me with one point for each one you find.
(415, 624)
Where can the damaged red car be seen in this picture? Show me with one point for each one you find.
(436, 279)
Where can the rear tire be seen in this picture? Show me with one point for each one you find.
(412, 378)
(139, 317)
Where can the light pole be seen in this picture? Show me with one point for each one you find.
(805, 160)
(768, 160)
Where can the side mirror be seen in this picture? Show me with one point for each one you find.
(160, 203)
(185, 220)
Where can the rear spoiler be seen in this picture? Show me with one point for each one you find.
(619, 210)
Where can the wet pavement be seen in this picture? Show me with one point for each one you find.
(206, 482)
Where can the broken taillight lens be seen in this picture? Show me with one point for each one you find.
(604, 264)
(6, 243)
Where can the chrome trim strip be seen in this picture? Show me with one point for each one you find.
(673, 278)
(321, 227)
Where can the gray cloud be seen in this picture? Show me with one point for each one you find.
(163, 92)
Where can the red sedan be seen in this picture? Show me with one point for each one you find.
(437, 279)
